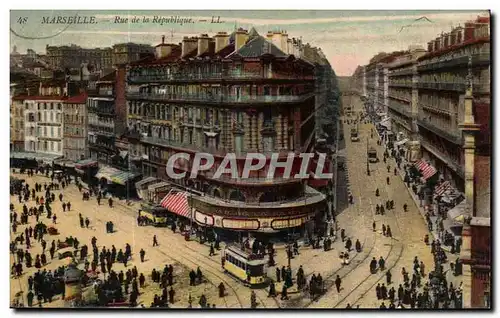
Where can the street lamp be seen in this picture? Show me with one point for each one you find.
(367, 162)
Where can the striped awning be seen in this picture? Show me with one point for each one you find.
(425, 168)
(85, 163)
(442, 188)
(176, 202)
(106, 172)
(457, 213)
(123, 177)
(139, 184)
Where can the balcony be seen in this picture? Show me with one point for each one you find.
(395, 84)
(455, 62)
(105, 111)
(402, 72)
(450, 162)
(216, 99)
(443, 86)
(106, 93)
(199, 148)
(400, 108)
(268, 127)
(214, 76)
(453, 138)
(404, 99)
(435, 110)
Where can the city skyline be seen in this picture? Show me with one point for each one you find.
(389, 30)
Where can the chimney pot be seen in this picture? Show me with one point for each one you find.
(162, 39)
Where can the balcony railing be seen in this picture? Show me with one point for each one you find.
(220, 98)
(456, 139)
(102, 111)
(200, 148)
(400, 108)
(210, 76)
(396, 84)
(443, 86)
(455, 62)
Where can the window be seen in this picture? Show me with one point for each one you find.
(58, 131)
(51, 106)
(45, 131)
(51, 116)
(51, 131)
(59, 106)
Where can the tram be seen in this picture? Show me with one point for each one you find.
(154, 215)
(248, 267)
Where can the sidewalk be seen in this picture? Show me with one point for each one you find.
(434, 234)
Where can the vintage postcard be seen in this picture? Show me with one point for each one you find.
(250, 159)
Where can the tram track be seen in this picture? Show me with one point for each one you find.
(191, 260)
(345, 271)
(400, 249)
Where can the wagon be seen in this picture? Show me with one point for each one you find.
(65, 253)
(52, 231)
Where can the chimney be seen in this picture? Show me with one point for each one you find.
(429, 46)
(163, 50)
(203, 43)
(469, 31)
(453, 37)
(437, 45)
(188, 45)
(240, 38)
(276, 39)
(284, 42)
(289, 46)
(446, 40)
(221, 41)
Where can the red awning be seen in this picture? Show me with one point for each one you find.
(426, 169)
(176, 202)
(442, 188)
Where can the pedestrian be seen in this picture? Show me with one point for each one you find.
(338, 282)
(87, 222)
(142, 254)
(155, 241)
(377, 192)
(54, 218)
(388, 181)
(374, 226)
(383, 229)
(68, 205)
(278, 275)
(388, 277)
(64, 206)
(212, 250)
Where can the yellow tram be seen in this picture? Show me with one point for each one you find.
(154, 215)
(248, 267)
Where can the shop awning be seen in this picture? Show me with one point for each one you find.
(64, 162)
(142, 182)
(425, 168)
(106, 172)
(158, 185)
(458, 212)
(401, 142)
(85, 163)
(44, 157)
(123, 177)
(440, 189)
(176, 202)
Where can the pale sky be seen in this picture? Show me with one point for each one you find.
(348, 38)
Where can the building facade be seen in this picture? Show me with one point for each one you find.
(75, 128)
(73, 56)
(234, 93)
(17, 124)
(439, 102)
(101, 124)
(43, 124)
(125, 53)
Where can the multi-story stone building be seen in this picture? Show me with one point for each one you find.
(43, 124)
(402, 102)
(444, 97)
(72, 56)
(106, 111)
(233, 93)
(17, 123)
(125, 53)
(441, 92)
(75, 128)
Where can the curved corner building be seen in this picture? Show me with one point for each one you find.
(231, 93)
